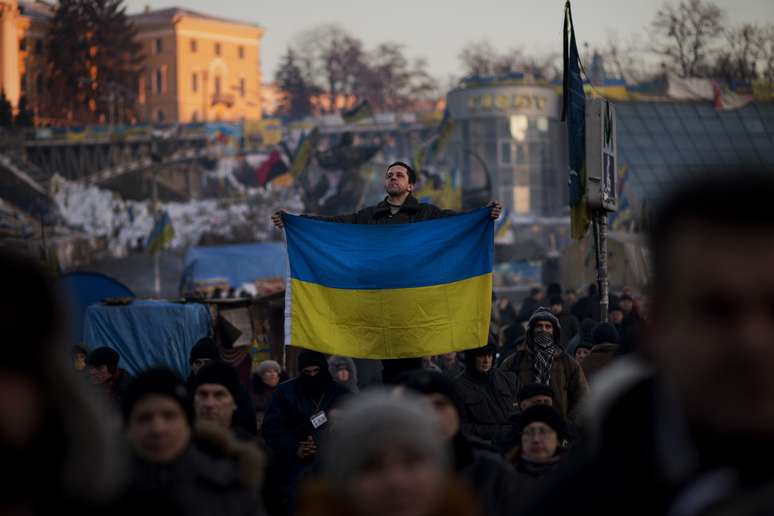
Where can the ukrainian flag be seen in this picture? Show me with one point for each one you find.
(392, 290)
(161, 235)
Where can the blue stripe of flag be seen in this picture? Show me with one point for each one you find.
(389, 256)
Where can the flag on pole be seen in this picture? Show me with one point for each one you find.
(360, 112)
(272, 168)
(304, 152)
(428, 292)
(574, 112)
(161, 235)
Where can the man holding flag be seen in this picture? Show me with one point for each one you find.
(398, 207)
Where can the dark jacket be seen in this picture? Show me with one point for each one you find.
(601, 355)
(118, 385)
(411, 211)
(531, 479)
(570, 328)
(216, 476)
(488, 476)
(488, 402)
(567, 379)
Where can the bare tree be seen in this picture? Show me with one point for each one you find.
(764, 43)
(482, 59)
(736, 60)
(686, 35)
(627, 60)
(479, 58)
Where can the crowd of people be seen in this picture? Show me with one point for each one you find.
(668, 408)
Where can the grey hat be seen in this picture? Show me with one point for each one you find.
(268, 365)
(380, 422)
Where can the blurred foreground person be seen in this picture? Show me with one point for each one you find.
(542, 435)
(486, 474)
(686, 425)
(200, 470)
(60, 446)
(385, 457)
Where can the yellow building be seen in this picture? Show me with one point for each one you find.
(197, 67)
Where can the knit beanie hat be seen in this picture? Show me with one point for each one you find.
(376, 423)
(204, 348)
(311, 358)
(268, 365)
(543, 414)
(556, 300)
(160, 381)
(104, 356)
(535, 389)
(431, 382)
(584, 344)
(219, 373)
(605, 332)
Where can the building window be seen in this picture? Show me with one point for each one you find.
(39, 86)
(241, 87)
(217, 49)
(23, 44)
(241, 51)
(193, 46)
(217, 85)
(39, 46)
(160, 115)
(158, 80)
(159, 46)
(194, 82)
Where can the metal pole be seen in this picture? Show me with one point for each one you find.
(601, 220)
(156, 255)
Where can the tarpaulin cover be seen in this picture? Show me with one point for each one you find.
(148, 333)
(82, 289)
(236, 264)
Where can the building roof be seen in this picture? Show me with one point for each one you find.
(36, 9)
(169, 14)
(660, 143)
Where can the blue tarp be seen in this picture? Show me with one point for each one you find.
(234, 264)
(82, 289)
(148, 333)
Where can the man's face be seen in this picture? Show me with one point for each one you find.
(570, 298)
(484, 363)
(99, 374)
(538, 399)
(199, 363)
(213, 402)
(713, 327)
(447, 414)
(396, 181)
(545, 326)
(581, 354)
(79, 361)
(539, 295)
(157, 429)
(311, 370)
(626, 306)
(539, 442)
(616, 317)
(556, 309)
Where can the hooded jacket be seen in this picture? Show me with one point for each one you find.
(567, 378)
(337, 362)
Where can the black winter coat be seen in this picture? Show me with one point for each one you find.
(489, 403)
(411, 211)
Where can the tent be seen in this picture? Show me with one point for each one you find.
(234, 266)
(148, 333)
(82, 289)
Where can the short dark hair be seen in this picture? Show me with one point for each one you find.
(722, 198)
(412, 175)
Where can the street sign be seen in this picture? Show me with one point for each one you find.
(601, 157)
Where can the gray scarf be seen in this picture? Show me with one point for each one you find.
(543, 350)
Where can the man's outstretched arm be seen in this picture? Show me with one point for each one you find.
(349, 218)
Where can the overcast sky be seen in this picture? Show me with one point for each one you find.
(438, 29)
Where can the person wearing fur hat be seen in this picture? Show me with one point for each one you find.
(217, 397)
(488, 396)
(344, 372)
(105, 373)
(604, 351)
(542, 434)
(267, 376)
(195, 469)
(386, 457)
(544, 361)
(479, 465)
(297, 419)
